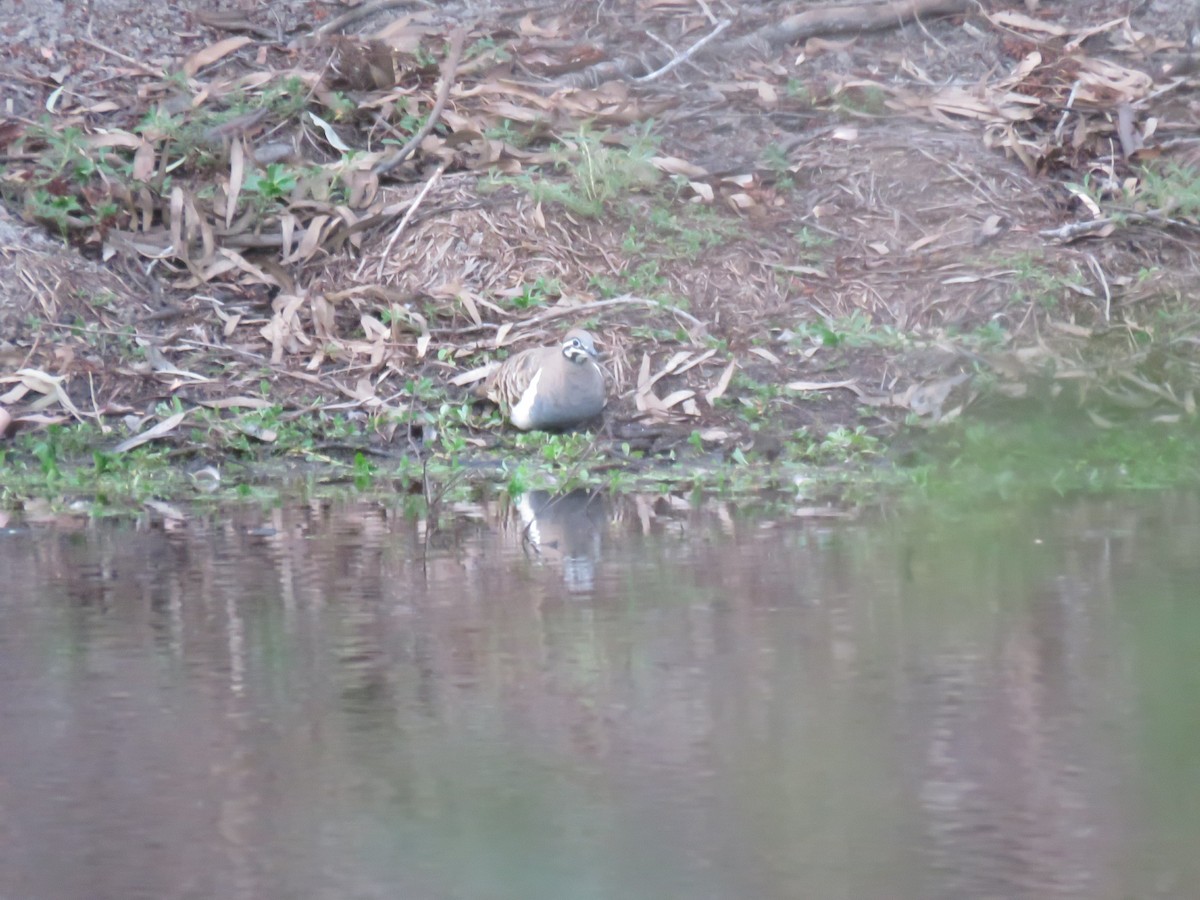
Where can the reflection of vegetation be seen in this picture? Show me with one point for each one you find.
(954, 469)
(1050, 454)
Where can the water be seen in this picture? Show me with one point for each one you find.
(635, 699)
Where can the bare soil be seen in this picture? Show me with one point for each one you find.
(895, 209)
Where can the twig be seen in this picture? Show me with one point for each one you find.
(1073, 230)
(925, 31)
(687, 54)
(624, 300)
(408, 214)
(1062, 122)
(259, 359)
(1094, 265)
(708, 12)
(449, 68)
(148, 70)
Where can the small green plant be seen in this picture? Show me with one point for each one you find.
(1035, 281)
(158, 124)
(46, 453)
(798, 91)
(645, 279)
(862, 100)
(57, 211)
(847, 444)
(487, 45)
(340, 106)
(683, 233)
(854, 330)
(285, 98)
(504, 130)
(67, 153)
(811, 242)
(274, 183)
(776, 160)
(541, 291)
(598, 174)
(1175, 190)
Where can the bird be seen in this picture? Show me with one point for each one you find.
(550, 388)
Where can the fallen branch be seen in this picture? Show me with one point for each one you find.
(338, 25)
(800, 27)
(844, 19)
(1103, 227)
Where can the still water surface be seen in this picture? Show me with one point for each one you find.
(608, 700)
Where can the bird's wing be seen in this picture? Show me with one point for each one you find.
(509, 382)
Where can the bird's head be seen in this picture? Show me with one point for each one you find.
(579, 346)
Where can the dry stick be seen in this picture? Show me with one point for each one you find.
(1094, 265)
(688, 54)
(276, 368)
(624, 300)
(449, 67)
(1075, 230)
(146, 70)
(812, 23)
(404, 223)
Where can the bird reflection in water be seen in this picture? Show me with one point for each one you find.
(565, 529)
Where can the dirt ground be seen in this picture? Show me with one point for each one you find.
(879, 213)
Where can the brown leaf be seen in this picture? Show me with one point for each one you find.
(115, 139)
(673, 165)
(309, 243)
(49, 386)
(722, 383)
(766, 354)
(237, 171)
(166, 426)
(143, 161)
(212, 53)
(675, 397)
